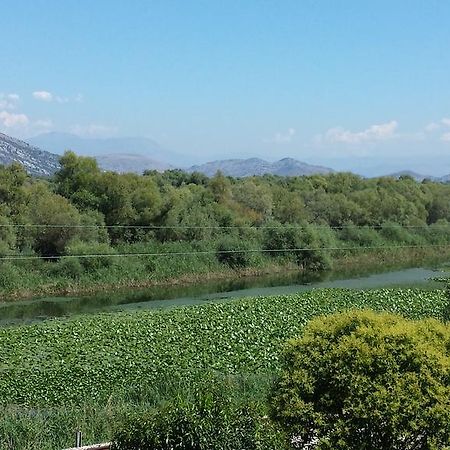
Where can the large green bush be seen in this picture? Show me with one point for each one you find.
(361, 380)
(306, 245)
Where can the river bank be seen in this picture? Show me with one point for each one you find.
(350, 262)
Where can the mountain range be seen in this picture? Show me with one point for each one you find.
(60, 142)
(257, 166)
(124, 155)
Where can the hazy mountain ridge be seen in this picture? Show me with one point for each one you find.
(419, 177)
(126, 162)
(36, 161)
(60, 142)
(256, 166)
(41, 162)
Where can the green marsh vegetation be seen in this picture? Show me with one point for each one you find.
(102, 371)
(210, 226)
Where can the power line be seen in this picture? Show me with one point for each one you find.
(215, 252)
(202, 227)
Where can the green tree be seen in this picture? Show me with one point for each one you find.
(78, 179)
(48, 210)
(362, 380)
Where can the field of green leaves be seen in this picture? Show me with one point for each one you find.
(96, 358)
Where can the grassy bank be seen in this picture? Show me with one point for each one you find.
(48, 278)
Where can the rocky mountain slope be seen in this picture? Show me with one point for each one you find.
(36, 161)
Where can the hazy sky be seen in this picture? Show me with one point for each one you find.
(362, 85)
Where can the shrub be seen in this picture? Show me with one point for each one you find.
(393, 232)
(234, 252)
(10, 276)
(304, 243)
(208, 421)
(361, 236)
(366, 380)
(93, 263)
(67, 267)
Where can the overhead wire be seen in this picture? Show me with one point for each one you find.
(215, 252)
(200, 227)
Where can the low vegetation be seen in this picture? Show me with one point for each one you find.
(98, 372)
(94, 357)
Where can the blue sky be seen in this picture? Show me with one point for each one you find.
(350, 84)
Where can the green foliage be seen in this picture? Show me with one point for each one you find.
(7, 237)
(361, 236)
(48, 210)
(12, 192)
(100, 261)
(234, 252)
(366, 380)
(208, 419)
(68, 268)
(192, 212)
(303, 244)
(10, 276)
(94, 357)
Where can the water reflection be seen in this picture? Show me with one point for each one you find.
(172, 296)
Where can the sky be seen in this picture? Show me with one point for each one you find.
(353, 85)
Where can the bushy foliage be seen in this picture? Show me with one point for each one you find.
(10, 276)
(365, 380)
(101, 250)
(234, 252)
(302, 243)
(206, 420)
(67, 268)
(316, 218)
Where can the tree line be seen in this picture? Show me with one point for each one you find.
(84, 210)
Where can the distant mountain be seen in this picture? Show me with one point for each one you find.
(125, 162)
(36, 161)
(257, 166)
(59, 142)
(445, 179)
(417, 176)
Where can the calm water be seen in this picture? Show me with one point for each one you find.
(168, 297)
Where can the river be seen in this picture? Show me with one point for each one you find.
(20, 312)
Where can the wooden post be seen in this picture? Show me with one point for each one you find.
(78, 439)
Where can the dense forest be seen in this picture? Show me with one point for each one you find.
(48, 227)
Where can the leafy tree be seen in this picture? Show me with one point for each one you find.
(220, 186)
(77, 180)
(7, 236)
(362, 380)
(47, 211)
(254, 196)
(12, 192)
(288, 206)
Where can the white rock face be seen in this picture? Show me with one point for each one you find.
(36, 161)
